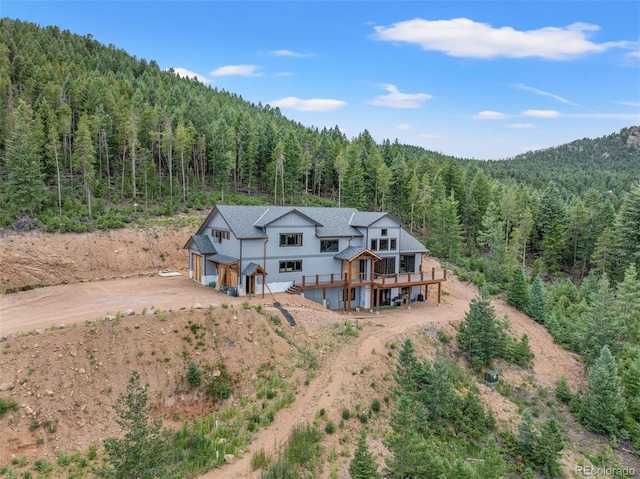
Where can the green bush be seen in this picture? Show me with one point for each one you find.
(346, 414)
(563, 393)
(6, 406)
(330, 428)
(375, 406)
(194, 375)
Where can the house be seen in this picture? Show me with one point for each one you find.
(340, 257)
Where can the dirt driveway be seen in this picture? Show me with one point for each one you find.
(72, 303)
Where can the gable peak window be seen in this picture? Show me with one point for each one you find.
(290, 239)
(383, 232)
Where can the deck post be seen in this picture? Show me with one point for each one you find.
(439, 291)
(433, 273)
(378, 302)
(303, 281)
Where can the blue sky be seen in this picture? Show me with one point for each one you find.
(473, 79)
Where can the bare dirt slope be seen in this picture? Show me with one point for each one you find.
(81, 370)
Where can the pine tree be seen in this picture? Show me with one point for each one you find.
(140, 452)
(538, 304)
(480, 337)
(446, 230)
(602, 405)
(627, 229)
(84, 155)
(518, 294)
(549, 448)
(363, 465)
(603, 326)
(628, 303)
(25, 190)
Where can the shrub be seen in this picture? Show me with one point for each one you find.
(194, 375)
(563, 393)
(259, 459)
(6, 406)
(330, 428)
(375, 406)
(346, 414)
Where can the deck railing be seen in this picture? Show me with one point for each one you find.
(334, 279)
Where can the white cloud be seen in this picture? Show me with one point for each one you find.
(545, 93)
(462, 37)
(395, 99)
(490, 115)
(289, 53)
(240, 70)
(184, 73)
(284, 74)
(521, 125)
(312, 104)
(403, 126)
(542, 113)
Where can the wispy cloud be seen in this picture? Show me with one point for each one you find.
(628, 103)
(521, 125)
(284, 74)
(237, 70)
(289, 53)
(184, 73)
(490, 115)
(462, 37)
(312, 104)
(395, 99)
(634, 117)
(545, 93)
(541, 113)
(403, 126)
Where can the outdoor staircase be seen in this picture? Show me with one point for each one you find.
(294, 289)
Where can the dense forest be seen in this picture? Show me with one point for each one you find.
(92, 137)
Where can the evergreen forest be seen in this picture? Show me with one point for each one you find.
(92, 137)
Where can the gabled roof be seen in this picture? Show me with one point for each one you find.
(408, 244)
(352, 252)
(253, 268)
(366, 218)
(203, 244)
(223, 259)
(249, 222)
(275, 213)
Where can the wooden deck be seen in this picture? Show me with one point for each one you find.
(379, 281)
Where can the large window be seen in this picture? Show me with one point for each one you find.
(291, 239)
(393, 244)
(374, 244)
(384, 244)
(407, 263)
(329, 246)
(291, 266)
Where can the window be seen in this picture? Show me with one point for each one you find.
(291, 239)
(393, 244)
(352, 295)
(407, 263)
(291, 266)
(219, 235)
(374, 244)
(329, 246)
(384, 244)
(384, 232)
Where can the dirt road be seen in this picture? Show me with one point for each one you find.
(73, 303)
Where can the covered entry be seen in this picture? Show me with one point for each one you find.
(228, 268)
(251, 271)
